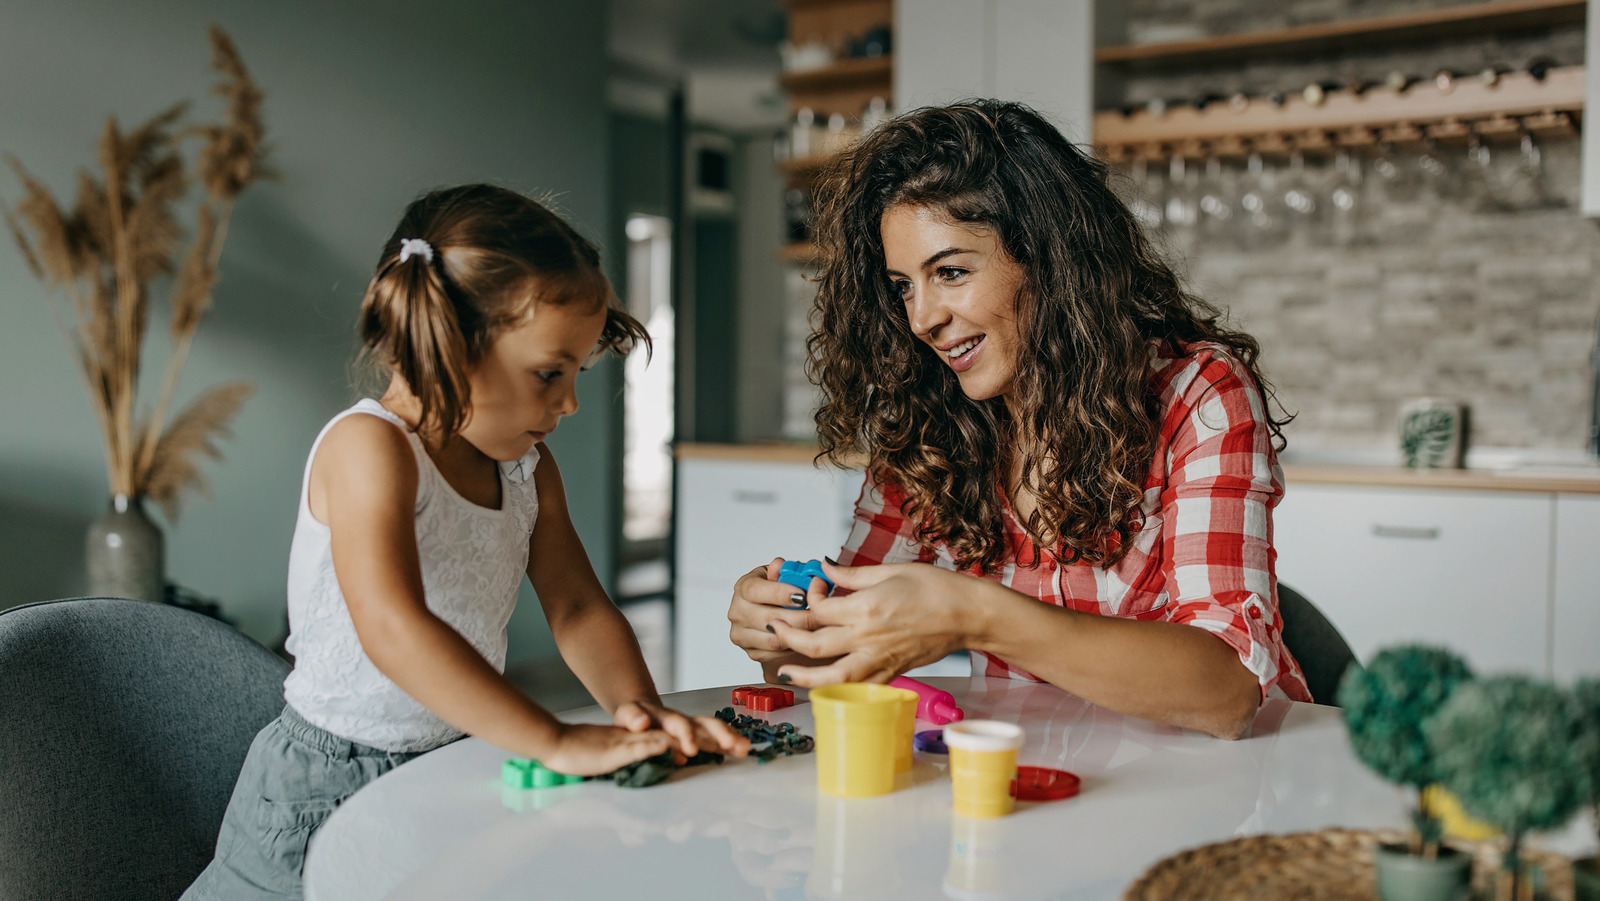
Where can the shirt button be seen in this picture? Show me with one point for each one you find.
(1255, 612)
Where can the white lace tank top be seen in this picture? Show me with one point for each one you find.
(473, 560)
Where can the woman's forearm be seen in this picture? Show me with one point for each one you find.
(1166, 672)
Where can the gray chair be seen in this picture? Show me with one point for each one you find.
(1315, 643)
(123, 726)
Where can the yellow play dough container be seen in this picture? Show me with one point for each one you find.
(858, 728)
(906, 731)
(983, 763)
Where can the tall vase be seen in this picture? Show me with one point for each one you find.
(126, 554)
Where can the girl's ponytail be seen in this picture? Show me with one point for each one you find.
(411, 319)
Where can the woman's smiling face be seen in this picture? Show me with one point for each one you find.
(960, 291)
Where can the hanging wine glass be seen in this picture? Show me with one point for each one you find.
(1145, 186)
(1299, 198)
(1181, 207)
(1259, 202)
(1434, 172)
(1479, 182)
(1529, 178)
(1344, 199)
(1215, 208)
(1390, 181)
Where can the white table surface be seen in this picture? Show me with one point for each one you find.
(444, 827)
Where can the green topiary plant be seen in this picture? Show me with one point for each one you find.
(1385, 708)
(1516, 753)
(1587, 695)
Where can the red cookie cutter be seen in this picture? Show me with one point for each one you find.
(1037, 783)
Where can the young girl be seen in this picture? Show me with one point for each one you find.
(1044, 406)
(419, 514)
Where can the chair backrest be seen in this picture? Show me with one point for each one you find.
(123, 725)
(1315, 643)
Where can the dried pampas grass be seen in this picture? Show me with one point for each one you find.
(121, 234)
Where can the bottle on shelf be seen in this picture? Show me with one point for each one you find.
(840, 134)
(803, 138)
(876, 113)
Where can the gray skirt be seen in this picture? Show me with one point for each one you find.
(293, 777)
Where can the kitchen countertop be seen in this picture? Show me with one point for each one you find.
(1558, 478)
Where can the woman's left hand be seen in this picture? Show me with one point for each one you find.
(900, 616)
(690, 735)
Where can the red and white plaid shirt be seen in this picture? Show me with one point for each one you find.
(1204, 556)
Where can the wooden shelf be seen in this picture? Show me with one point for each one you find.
(798, 253)
(845, 74)
(1344, 119)
(1456, 21)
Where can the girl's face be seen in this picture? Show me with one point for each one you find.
(960, 291)
(528, 379)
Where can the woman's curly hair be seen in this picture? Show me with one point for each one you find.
(1095, 298)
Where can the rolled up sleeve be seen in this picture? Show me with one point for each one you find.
(1222, 485)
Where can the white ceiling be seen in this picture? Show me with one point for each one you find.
(724, 53)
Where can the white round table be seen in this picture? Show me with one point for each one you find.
(444, 827)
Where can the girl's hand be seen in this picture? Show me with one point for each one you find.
(582, 749)
(690, 735)
(758, 601)
(900, 616)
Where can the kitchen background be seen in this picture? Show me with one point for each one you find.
(1430, 286)
(666, 129)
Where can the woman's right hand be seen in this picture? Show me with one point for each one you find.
(582, 749)
(759, 599)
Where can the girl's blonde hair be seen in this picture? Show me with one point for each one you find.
(493, 254)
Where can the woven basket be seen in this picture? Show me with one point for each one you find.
(1331, 865)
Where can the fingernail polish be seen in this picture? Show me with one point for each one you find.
(798, 597)
(784, 677)
(772, 630)
(831, 561)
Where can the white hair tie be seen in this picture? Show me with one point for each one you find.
(410, 247)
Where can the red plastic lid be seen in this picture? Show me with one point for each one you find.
(1037, 783)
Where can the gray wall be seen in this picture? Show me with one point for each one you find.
(367, 104)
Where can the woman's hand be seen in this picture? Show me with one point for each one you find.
(759, 601)
(900, 616)
(690, 735)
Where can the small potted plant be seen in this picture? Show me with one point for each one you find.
(1386, 707)
(1586, 872)
(1516, 753)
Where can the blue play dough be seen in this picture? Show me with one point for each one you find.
(800, 574)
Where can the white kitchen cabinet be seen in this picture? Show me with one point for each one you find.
(1575, 644)
(734, 515)
(1469, 570)
(702, 655)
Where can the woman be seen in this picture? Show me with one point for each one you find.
(1045, 408)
